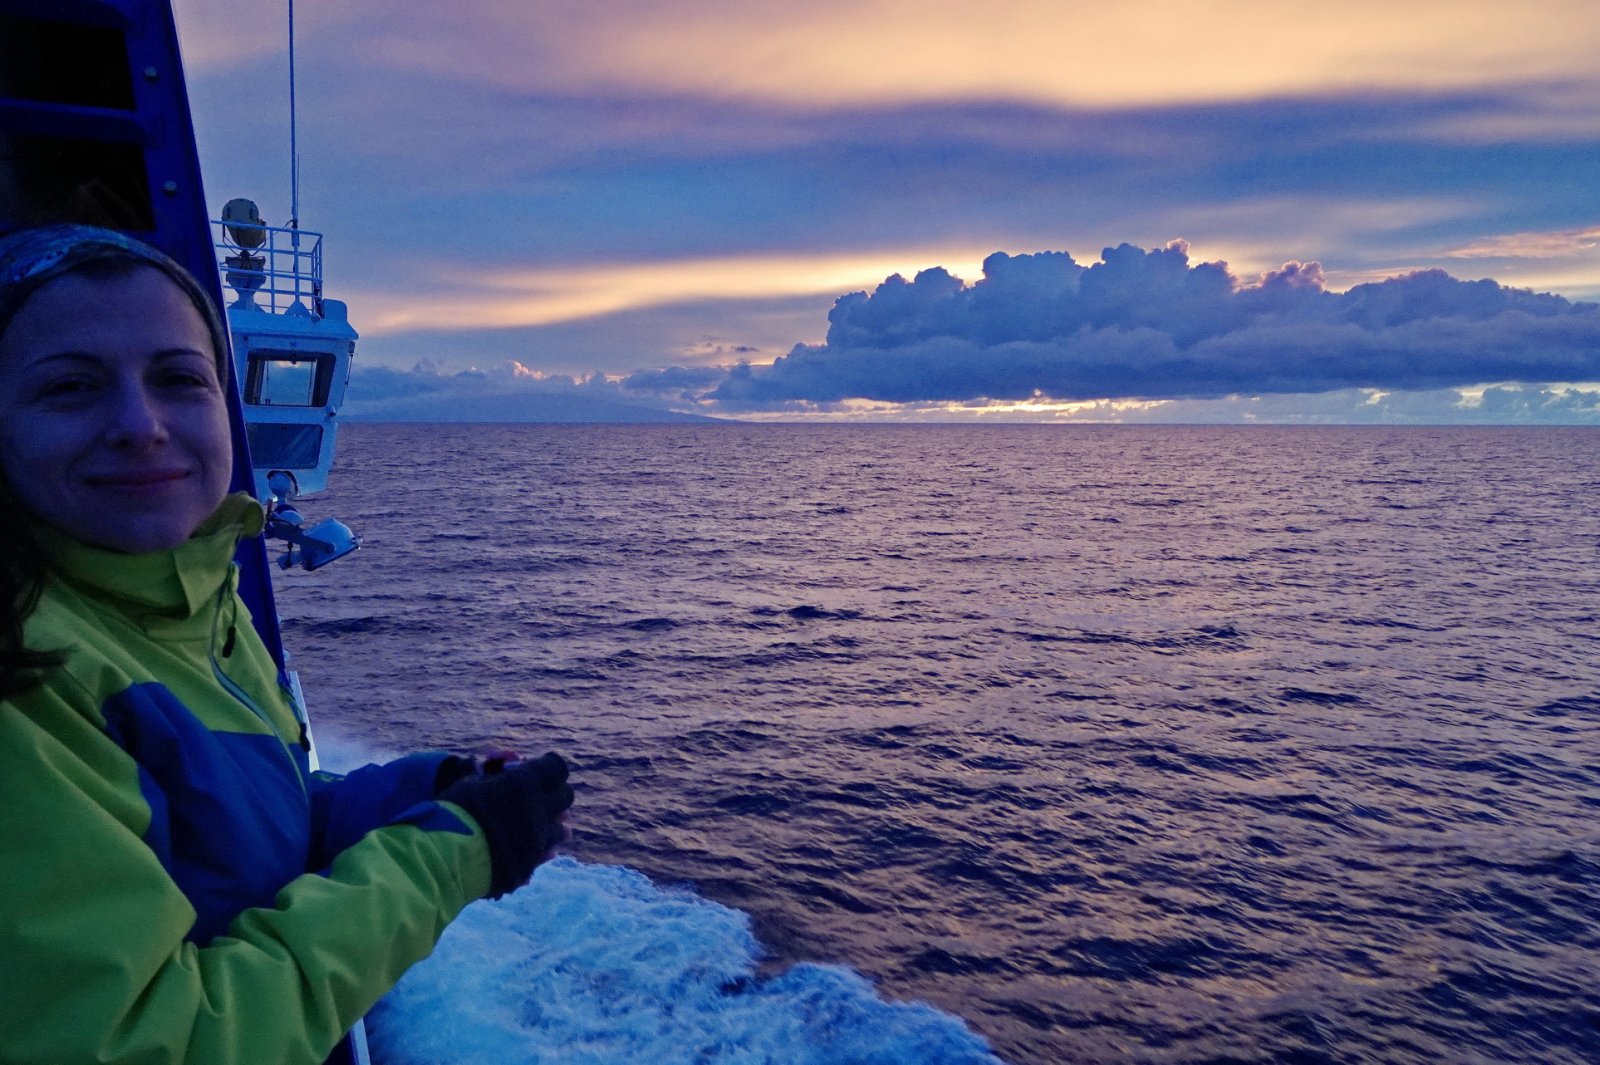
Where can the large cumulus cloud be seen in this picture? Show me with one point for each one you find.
(1150, 324)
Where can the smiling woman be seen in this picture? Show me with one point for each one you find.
(72, 302)
(178, 884)
(116, 419)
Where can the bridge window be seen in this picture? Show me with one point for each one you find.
(288, 379)
(284, 447)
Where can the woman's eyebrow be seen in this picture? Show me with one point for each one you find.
(89, 356)
(60, 356)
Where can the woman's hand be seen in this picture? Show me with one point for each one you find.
(522, 810)
(456, 767)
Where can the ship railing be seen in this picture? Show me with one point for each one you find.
(271, 267)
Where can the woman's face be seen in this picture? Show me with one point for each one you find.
(113, 425)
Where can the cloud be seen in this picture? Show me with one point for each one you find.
(698, 333)
(1559, 244)
(597, 187)
(1496, 405)
(510, 392)
(478, 297)
(835, 51)
(1152, 325)
(592, 189)
(1152, 332)
(681, 386)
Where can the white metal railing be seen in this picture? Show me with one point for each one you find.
(279, 267)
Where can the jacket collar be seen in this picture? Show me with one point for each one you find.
(173, 583)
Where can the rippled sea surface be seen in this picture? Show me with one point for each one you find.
(1124, 744)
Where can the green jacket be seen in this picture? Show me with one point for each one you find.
(175, 885)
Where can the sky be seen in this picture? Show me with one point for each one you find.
(1156, 210)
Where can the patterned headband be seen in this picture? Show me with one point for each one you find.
(32, 258)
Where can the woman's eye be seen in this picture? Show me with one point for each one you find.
(65, 388)
(185, 379)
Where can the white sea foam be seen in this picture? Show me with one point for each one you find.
(339, 752)
(594, 964)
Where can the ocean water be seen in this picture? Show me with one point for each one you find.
(1107, 744)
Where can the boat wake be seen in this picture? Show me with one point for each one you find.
(595, 964)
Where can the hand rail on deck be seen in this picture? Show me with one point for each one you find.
(282, 269)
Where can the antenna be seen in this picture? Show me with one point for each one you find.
(294, 149)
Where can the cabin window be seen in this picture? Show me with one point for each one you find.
(68, 179)
(288, 379)
(284, 447)
(70, 143)
(54, 62)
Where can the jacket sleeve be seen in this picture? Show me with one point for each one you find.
(93, 961)
(345, 808)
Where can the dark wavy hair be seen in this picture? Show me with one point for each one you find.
(29, 260)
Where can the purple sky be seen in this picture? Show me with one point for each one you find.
(518, 197)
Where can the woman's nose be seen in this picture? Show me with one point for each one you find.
(135, 418)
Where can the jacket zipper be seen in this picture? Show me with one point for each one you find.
(233, 689)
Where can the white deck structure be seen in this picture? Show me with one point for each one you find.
(291, 346)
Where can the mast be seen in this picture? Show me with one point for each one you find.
(294, 149)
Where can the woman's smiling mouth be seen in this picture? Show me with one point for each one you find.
(136, 479)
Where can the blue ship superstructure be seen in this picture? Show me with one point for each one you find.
(292, 347)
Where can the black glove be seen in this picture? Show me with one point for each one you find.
(454, 767)
(519, 810)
